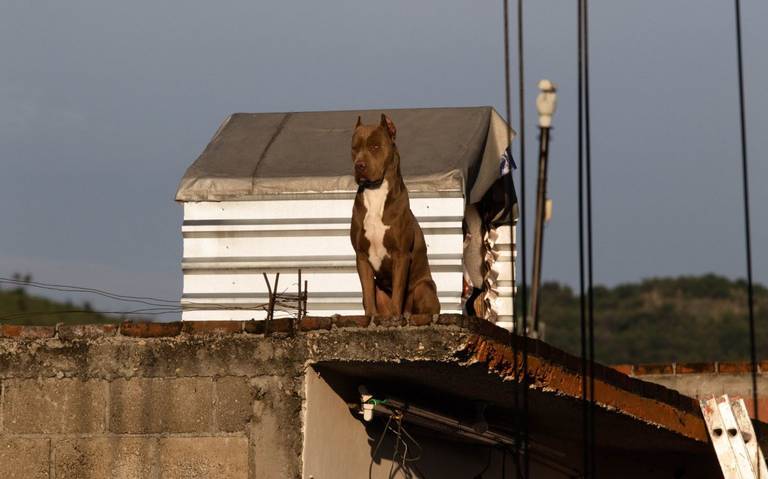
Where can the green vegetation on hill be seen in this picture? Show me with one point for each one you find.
(684, 319)
(17, 306)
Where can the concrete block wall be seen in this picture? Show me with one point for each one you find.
(148, 401)
(218, 399)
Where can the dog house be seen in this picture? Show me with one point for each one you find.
(273, 193)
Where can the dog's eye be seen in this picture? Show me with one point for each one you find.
(375, 147)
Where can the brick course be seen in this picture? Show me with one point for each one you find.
(702, 380)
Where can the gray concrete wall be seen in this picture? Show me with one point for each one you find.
(193, 400)
(222, 400)
(190, 406)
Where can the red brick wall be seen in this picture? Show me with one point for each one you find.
(703, 380)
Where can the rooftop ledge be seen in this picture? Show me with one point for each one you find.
(457, 355)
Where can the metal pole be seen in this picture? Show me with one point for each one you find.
(546, 104)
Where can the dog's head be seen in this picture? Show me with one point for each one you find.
(373, 151)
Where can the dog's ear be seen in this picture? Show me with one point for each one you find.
(359, 121)
(389, 126)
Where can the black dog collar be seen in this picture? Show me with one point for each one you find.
(369, 185)
(372, 185)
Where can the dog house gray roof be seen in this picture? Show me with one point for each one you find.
(260, 155)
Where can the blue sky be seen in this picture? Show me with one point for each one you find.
(104, 105)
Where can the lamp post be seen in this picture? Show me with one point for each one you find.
(546, 103)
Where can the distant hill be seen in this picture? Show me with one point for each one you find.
(689, 318)
(17, 306)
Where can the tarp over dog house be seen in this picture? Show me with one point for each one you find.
(273, 192)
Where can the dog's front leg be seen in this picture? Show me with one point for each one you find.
(401, 264)
(365, 271)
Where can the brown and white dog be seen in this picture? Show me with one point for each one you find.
(390, 247)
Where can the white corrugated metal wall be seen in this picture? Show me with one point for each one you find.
(229, 244)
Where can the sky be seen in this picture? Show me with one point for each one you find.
(103, 105)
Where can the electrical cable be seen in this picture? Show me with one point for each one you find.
(65, 289)
(521, 203)
(590, 256)
(747, 222)
(285, 302)
(83, 289)
(378, 445)
(582, 295)
(479, 475)
(521, 109)
(504, 464)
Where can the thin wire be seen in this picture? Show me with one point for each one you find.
(288, 300)
(479, 475)
(590, 256)
(521, 107)
(504, 464)
(143, 311)
(378, 445)
(66, 289)
(84, 289)
(582, 296)
(747, 222)
(521, 203)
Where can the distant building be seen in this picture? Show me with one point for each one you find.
(273, 192)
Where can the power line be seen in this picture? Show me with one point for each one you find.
(521, 109)
(590, 256)
(83, 289)
(65, 289)
(585, 310)
(747, 222)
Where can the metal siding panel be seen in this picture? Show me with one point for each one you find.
(317, 282)
(223, 247)
(223, 259)
(280, 209)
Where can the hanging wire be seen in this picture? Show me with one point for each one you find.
(584, 329)
(282, 302)
(521, 107)
(378, 445)
(521, 208)
(590, 257)
(81, 289)
(747, 222)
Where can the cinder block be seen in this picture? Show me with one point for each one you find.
(276, 437)
(234, 403)
(100, 457)
(204, 457)
(54, 406)
(24, 458)
(154, 405)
